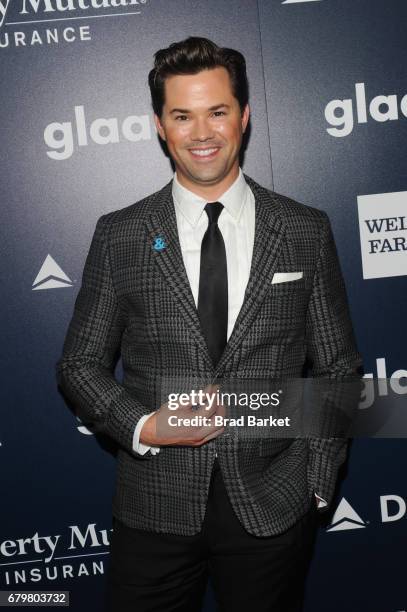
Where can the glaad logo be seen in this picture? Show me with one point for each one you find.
(383, 234)
(51, 276)
(340, 113)
(60, 136)
(346, 518)
(382, 383)
(392, 508)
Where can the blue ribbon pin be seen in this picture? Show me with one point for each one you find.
(159, 243)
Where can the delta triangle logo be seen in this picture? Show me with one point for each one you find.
(51, 276)
(346, 518)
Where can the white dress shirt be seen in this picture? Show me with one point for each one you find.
(236, 223)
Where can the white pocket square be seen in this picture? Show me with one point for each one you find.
(285, 277)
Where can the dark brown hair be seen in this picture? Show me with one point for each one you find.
(191, 56)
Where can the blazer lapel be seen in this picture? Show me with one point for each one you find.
(269, 232)
(162, 222)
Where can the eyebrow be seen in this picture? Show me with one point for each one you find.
(212, 108)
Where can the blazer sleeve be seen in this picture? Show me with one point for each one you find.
(332, 353)
(85, 371)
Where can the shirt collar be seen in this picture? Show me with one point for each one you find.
(192, 205)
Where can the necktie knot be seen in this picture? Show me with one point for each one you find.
(213, 210)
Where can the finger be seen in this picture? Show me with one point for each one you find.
(221, 409)
(213, 434)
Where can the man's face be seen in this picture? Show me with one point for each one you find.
(202, 125)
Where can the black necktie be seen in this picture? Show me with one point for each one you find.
(213, 285)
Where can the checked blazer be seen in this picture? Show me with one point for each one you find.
(135, 301)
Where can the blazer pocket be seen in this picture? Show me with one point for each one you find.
(286, 277)
(288, 286)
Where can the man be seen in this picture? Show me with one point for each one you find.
(212, 277)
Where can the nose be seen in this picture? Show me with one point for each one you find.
(201, 131)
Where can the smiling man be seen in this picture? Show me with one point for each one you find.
(203, 139)
(213, 276)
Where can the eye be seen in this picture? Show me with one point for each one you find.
(181, 118)
(219, 113)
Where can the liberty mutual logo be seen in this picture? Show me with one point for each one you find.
(36, 7)
(3, 10)
(63, 19)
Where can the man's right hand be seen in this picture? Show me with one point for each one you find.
(156, 430)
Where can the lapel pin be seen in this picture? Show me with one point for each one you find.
(159, 243)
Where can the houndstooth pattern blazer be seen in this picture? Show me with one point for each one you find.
(135, 301)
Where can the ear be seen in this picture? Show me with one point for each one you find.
(159, 126)
(245, 117)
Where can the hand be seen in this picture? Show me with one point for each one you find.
(157, 431)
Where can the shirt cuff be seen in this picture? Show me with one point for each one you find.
(138, 446)
(321, 501)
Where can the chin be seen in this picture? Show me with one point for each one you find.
(210, 177)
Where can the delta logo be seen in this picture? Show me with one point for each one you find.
(346, 518)
(51, 276)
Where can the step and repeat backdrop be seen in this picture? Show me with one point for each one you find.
(328, 93)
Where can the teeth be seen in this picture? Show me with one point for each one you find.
(202, 152)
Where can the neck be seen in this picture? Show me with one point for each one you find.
(209, 192)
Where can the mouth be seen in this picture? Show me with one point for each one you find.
(204, 154)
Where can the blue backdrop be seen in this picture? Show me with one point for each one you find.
(328, 94)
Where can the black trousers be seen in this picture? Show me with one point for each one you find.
(155, 572)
